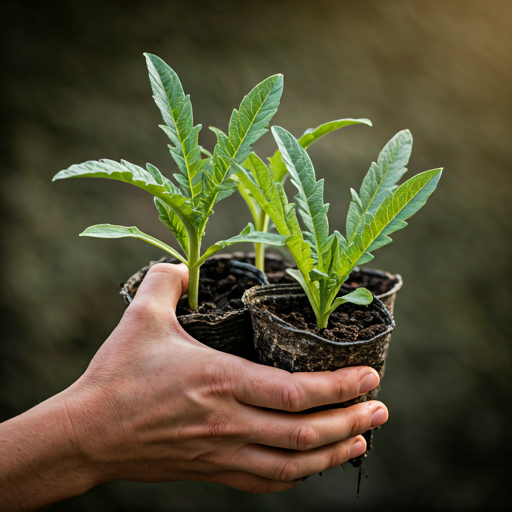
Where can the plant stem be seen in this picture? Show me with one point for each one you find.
(193, 287)
(193, 271)
(261, 225)
(322, 320)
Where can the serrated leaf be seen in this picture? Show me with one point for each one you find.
(111, 231)
(246, 126)
(309, 199)
(400, 204)
(380, 180)
(173, 222)
(150, 181)
(176, 110)
(272, 199)
(311, 135)
(249, 234)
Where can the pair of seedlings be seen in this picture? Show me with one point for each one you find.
(324, 261)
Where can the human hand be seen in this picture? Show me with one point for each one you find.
(156, 405)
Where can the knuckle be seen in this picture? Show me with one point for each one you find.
(293, 396)
(357, 422)
(303, 437)
(142, 312)
(222, 426)
(286, 471)
(216, 428)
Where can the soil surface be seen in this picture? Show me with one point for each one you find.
(349, 322)
(219, 290)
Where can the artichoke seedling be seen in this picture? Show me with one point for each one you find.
(324, 261)
(279, 175)
(185, 207)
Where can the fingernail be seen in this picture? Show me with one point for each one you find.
(358, 448)
(379, 417)
(368, 382)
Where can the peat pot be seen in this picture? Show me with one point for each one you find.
(286, 337)
(222, 321)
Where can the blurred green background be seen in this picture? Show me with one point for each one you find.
(75, 87)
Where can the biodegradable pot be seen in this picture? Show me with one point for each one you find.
(382, 284)
(224, 323)
(278, 343)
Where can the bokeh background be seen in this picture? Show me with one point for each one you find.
(75, 87)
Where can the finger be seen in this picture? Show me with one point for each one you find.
(309, 431)
(287, 466)
(264, 386)
(163, 286)
(252, 483)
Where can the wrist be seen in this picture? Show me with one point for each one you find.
(40, 458)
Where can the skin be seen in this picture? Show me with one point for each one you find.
(155, 405)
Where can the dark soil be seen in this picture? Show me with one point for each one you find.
(378, 285)
(349, 322)
(218, 290)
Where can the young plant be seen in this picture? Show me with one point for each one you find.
(325, 261)
(201, 182)
(279, 175)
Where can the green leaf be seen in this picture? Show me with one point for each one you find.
(391, 216)
(176, 110)
(380, 180)
(173, 222)
(311, 135)
(359, 296)
(247, 235)
(111, 231)
(272, 199)
(309, 199)
(257, 179)
(149, 180)
(246, 126)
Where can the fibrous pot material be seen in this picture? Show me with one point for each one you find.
(222, 322)
(280, 344)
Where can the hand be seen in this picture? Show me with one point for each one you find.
(156, 405)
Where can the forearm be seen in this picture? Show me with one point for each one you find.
(39, 460)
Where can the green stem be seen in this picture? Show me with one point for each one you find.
(261, 225)
(322, 320)
(193, 287)
(193, 271)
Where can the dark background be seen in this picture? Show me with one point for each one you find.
(75, 87)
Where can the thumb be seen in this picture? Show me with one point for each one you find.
(163, 285)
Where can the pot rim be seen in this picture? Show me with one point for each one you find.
(220, 315)
(258, 291)
(382, 273)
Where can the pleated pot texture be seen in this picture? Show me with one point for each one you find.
(227, 328)
(280, 344)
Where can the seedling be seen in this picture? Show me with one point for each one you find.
(279, 175)
(325, 261)
(201, 182)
